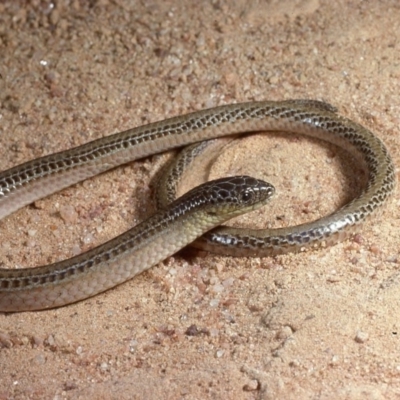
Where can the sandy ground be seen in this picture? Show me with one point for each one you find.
(317, 325)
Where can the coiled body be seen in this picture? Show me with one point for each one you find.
(26, 183)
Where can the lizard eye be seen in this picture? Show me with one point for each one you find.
(247, 195)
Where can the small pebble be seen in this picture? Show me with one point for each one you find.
(104, 366)
(361, 337)
(218, 288)
(40, 359)
(50, 340)
(214, 303)
(88, 238)
(219, 353)
(251, 386)
(69, 214)
(5, 340)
